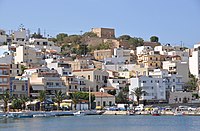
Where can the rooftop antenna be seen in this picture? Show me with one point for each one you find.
(81, 32)
(21, 27)
(38, 31)
(44, 32)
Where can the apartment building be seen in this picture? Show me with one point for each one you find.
(102, 54)
(179, 68)
(4, 77)
(95, 78)
(154, 88)
(19, 87)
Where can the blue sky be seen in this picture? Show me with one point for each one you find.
(172, 21)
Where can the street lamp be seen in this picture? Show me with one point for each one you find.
(101, 90)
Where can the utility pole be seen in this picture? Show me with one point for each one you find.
(89, 99)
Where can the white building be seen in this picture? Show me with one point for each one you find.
(143, 49)
(179, 68)
(64, 69)
(194, 61)
(183, 54)
(117, 83)
(154, 88)
(44, 44)
(28, 55)
(120, 52)
(20, 35)
(173, 81)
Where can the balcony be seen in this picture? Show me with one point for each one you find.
(4, 83)
(180, 83)
(54, 87)
(4, 74)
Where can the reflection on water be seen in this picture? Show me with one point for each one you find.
(103, 123)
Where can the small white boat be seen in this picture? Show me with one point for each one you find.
(178, 114)
(79, 113)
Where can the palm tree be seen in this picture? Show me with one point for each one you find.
(138, 93)
(24, 99)
(75, 98)
(42, 97)
(5, 98)
(59, 96)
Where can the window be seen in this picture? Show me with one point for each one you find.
(70, 87)
(104, 103)
(75, 87)
(110, 103)
(88, 77)
(14, 87)
(98, 104)
(179, 99)
(22, 87)
(173, 80)
(57, 84)
(17, 71)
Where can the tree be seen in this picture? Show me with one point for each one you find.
(121, 98)
(112, 92)
(192, 83)
(39, 36)
(5, 98)
(42, 97)
(17, 104)
(59, 96)
(124, 37)
(89, 34)
(138, 93)
(154, 39)
(78, 96)
(75, 99)
(23, 68)
(24, 99)
(60, 37)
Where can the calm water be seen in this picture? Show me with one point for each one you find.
(103, 123)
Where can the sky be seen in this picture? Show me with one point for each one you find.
(173, 21)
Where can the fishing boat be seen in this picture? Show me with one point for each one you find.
(178, 112)
(156, 113)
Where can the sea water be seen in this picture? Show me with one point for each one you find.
(103, 123)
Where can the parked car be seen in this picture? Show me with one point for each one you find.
(183, 108)
(139, 108)
(192, 108)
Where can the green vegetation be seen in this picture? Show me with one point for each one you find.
(42, 97)
(122, 97)
(154, 39)
(5, 97)
(192, 83)
(78, 96)
(138, 93)
(59, 96)
(16, 104)
(23, 68)
(133, 41)
(112, 92)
